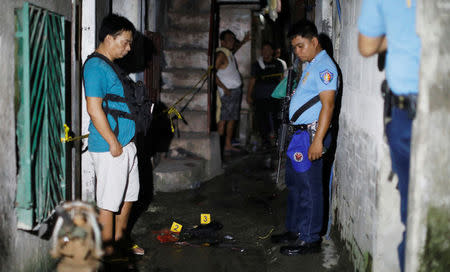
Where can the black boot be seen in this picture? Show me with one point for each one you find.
(284, 237)
(301, 248)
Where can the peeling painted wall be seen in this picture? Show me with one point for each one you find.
(19, 250)
(429, 197)
(365, 204)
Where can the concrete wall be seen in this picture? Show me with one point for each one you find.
(88, 38)
(428, 248)
(365, 205)
(19, 250)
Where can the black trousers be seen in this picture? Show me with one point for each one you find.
(266, 114)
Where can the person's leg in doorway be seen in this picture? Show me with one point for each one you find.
(229, 135)
(262, 115)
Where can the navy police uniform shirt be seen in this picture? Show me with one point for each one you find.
(318, 76)
(397, 20)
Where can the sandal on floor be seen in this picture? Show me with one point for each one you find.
(137, 250)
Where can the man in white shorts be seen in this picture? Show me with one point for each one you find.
(110, 137)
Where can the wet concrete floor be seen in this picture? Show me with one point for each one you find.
(248, 205)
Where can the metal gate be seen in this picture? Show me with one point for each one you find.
(40, 83)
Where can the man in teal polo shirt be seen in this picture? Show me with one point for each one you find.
(110, 140)
(391, 25)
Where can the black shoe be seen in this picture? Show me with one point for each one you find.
(301, 248)
(284, 237)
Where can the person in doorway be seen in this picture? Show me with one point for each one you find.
(114, 156)
(266, 73)
(278, 57)
(390, 25)
(310, 111)
(229, 85)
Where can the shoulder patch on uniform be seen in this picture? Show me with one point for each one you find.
(326, 76)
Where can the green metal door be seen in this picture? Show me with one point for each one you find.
(40, 78)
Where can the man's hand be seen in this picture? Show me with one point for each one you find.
(249, 100)
(116, 149)
(226, 91)
(98, 117)
(315, 150)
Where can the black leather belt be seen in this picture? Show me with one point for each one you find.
(294, 128)
(408, 102)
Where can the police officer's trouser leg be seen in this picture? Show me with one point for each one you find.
(307, 191)
(293, 201)
(398, 132)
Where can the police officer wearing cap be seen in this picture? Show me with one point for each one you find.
(304, 216)
(391, 25)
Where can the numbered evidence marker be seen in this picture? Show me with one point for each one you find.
(176, 227)
(205, 218)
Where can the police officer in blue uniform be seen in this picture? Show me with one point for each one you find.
(304, 216)
(391, 25)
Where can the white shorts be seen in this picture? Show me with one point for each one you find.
(117, 178)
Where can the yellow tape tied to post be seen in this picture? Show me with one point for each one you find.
(67, 138)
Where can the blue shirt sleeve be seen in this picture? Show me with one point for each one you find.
(94, 79)
(326, 79)
(371, 19)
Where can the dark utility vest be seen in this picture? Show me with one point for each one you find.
(136, 97)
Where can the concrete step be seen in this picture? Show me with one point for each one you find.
(204, 145)
(183, 21)
(180, 59)
(194, 142)
(190, 6)
(175, 175)
(198, 103)
(186, 39)
(197, 121)
(182, 78)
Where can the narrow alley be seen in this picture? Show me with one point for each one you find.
(247, 203)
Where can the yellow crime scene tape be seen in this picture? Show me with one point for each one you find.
(173, 111)
(272, 75)
(67, 138)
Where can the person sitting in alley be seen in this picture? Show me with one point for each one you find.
(310, 112)
(114, 156)
(266, 73)
(229, 85)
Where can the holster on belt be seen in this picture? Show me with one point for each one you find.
(404, 102)
(387, 95)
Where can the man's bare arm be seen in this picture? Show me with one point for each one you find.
(251, 87)
(98, 117)
(326, 113)
(240, 44)
(221, 63)
(369, 46)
